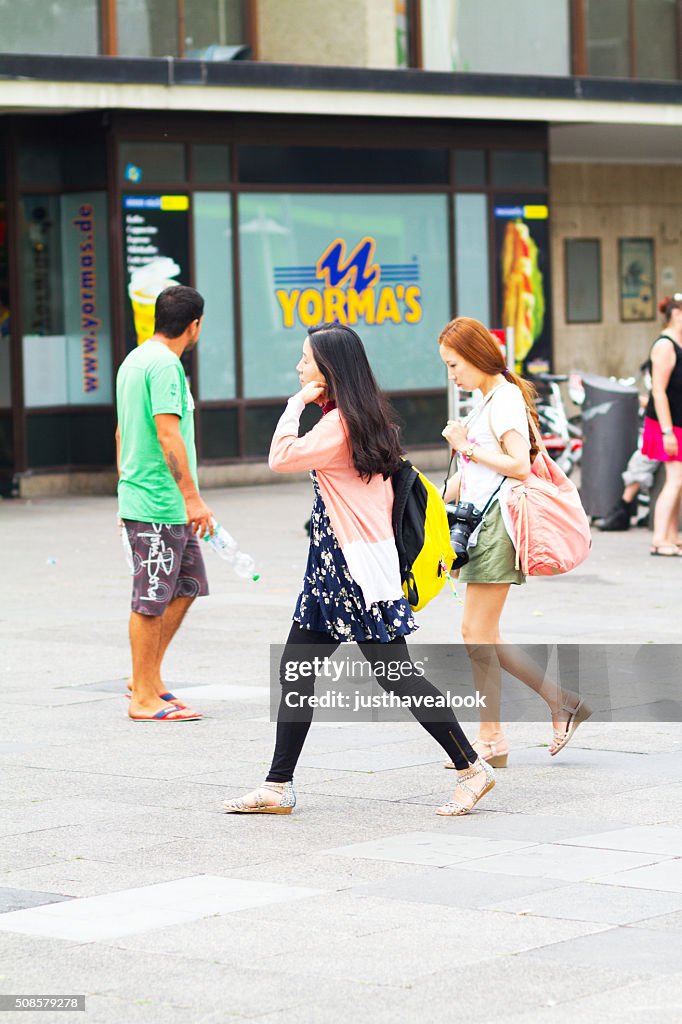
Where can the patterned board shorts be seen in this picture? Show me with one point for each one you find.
(167, 563)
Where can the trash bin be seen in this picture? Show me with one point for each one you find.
(610, 436)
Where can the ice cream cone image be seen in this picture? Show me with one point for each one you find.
(146, 284)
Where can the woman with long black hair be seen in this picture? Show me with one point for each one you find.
(352, 589)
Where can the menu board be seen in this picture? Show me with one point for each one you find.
(156, 256)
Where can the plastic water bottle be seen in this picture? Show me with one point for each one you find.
(127, 550)
(226, 547)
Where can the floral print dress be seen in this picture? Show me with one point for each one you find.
(332, 602)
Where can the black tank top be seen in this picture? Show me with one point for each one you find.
(673, 390)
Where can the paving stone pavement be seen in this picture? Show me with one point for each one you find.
(558, 899)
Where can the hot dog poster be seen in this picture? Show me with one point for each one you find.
(522, 246)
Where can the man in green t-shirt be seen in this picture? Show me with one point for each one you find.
(158, 496)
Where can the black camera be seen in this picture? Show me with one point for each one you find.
(463, 518)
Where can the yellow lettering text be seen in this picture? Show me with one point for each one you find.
(310, 307)
(414, 309)
(287, 301)
(387, 308)
(360, 304)
(334, 305)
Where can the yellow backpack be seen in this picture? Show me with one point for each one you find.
(422, 535)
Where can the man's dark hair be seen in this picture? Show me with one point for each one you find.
(175, 310)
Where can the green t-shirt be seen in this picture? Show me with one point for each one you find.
(151, 381)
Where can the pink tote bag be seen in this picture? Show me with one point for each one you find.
(552, 531)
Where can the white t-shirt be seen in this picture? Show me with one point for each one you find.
(505, 409)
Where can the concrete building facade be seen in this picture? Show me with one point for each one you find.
(387, 163)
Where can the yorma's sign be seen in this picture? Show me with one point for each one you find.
(350, 289)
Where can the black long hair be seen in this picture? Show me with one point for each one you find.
(373, 431)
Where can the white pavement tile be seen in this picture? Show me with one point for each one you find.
(634, 949)
(367, 760)
(665, 877)
(638, 839)
(155, 906)
(431, 848)
(570, 863)
(448, 887)
(592, 901)
(221, 691)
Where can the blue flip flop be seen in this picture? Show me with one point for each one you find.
(163, 716)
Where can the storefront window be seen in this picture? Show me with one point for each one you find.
(524, 169)
(611, 50)
(469, 167)
(402, 39)
(495, 36)
(211, 25)
(211, 164)
(608, 37)
(157, 162)
(582, 258)
(147, 28)
(377, 262)
(65, 278)
(656, 39)
(73, 164)
(60, 26)
(471, 235)
(213, 271)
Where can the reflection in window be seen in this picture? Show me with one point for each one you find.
(402, 38)
(525, 168)
(471, 234)
(211, 164)
(213, 266)
(212, 25)
(318, 165)
(469, 167)
(60, 26)
(142, 162)
(147, 28)
(62, 165)
(377, 262)
(524, 37)
(219, 433)
(65, 293)
(656, 39)
(583, 280)
(608, 38)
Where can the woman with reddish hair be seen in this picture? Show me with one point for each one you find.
(495, 450)
(663, 426)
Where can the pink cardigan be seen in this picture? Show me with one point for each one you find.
(359, 511)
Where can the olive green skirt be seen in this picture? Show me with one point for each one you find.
(493, 558)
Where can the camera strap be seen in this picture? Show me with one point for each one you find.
(474, 412)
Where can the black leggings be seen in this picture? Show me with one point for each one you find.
(291, 734)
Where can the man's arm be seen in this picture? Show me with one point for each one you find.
(199, 515)
(118, 450)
